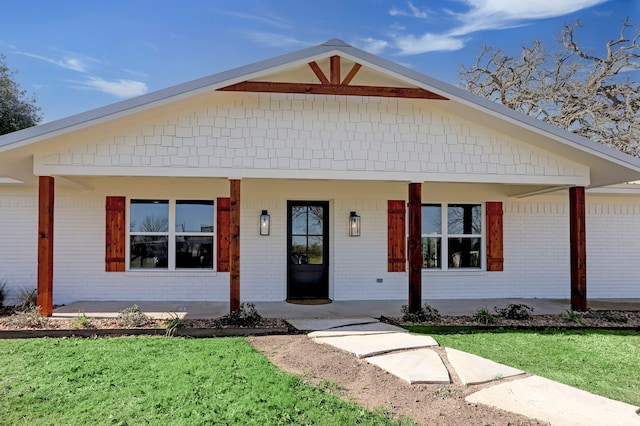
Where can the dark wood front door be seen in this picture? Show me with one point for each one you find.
(307, 250)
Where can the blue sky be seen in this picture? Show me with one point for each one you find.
(76, 55)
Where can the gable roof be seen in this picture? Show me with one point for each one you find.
(608, 166)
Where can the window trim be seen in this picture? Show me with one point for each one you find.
(171, 235)
(444, 236)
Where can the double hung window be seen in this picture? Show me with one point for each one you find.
(171, 234)
(451, 236)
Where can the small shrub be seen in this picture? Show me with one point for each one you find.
(29, 299)
(515, 312)
(4, 291)
(133, 317)
(424, 314)
(483, 316)
(245, 316)
(572, 316)
(27, 318)
(81, 321)
(172, 324)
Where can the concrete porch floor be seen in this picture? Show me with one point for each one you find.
(337, 309)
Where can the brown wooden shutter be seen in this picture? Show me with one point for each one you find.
(223, 223)
(396, 257)
(495, 256)
(115, 234)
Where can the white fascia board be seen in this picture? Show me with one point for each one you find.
(52, 170)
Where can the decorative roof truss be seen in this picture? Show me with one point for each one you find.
(333, 85)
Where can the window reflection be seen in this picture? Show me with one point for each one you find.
(464, 219)
(194, 252)
(314, 250)
(456, 245)
(431, 219)
(149, 216)
(148, 251)
(315, 220)
(307, 235)
(464, 252)
(431, 252)
(194, 216)
(299, 220)
(186, 242)
(299, 250)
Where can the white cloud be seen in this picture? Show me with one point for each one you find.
(412, 12)
(119, 88)
(412, 45)
(417, 13)
(374, 46)
(500, 14)
(485, 15)
(74, 63)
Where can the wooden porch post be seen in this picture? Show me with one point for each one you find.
(578, 249)
(414, 246)
(234, 245)
(45, 245)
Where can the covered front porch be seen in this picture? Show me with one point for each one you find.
(386, 258)
(334, 310)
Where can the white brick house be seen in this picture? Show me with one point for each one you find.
(160, 197)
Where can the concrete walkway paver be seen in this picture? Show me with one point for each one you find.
(474, 370)
(419, 366)
(370, 345)
(534, 397)
(556, 403)
(358, 329)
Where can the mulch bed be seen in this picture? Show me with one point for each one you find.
(18, 325)
(600, 319)
(41, 327)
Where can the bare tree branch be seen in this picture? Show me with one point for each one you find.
(582, 91)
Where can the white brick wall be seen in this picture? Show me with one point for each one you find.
(18, 242)
(613, 242)
(259, 132)
(536, 243)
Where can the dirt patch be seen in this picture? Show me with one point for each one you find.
(357, 381)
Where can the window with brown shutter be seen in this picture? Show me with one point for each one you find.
(223, 233)
(495, 255)
(115, 237)
(396, 256)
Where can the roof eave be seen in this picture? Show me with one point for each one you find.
(457, 96)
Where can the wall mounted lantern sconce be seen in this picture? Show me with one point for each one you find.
(354, 225)
(265, 223)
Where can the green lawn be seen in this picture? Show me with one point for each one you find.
(603, 362)
(158, 381)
